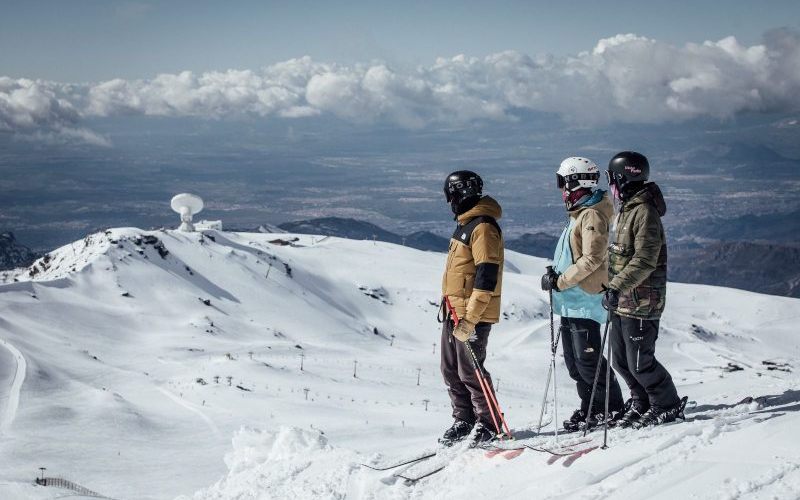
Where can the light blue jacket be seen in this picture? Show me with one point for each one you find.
(575, 302)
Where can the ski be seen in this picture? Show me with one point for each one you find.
(563, 450)
(508, 454)
(570, 458)
(413, 479)
(401, 463)
(578, 454)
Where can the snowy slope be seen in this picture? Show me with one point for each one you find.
(116, 356)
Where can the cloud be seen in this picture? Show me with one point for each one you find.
(42, 109)
(624, 78)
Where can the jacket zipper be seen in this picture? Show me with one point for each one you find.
(637, 359)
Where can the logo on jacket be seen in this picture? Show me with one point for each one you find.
(464, 236)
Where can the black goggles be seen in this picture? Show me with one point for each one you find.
(452, 188)
(571, 181)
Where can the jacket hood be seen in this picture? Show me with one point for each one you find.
(650, 193)
(602, 205)
(486, 206)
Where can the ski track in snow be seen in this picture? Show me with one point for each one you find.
(177, 400)
(12, 405)
(677, 448)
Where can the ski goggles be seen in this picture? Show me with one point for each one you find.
(452, 188)
(571, 181)
(615, 178)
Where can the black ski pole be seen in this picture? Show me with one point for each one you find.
(608, 386)
(597, 375)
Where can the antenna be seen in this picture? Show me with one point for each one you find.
(187, 205)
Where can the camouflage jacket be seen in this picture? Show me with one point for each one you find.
(638, 255)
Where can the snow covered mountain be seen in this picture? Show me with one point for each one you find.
(12, 254)
(129, 360)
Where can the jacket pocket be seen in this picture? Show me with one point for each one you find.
(469, 284)
(619, 254)
(643, 297)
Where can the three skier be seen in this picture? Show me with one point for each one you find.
(593, 282)
(471, 284)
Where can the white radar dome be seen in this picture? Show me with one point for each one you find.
(187, 205)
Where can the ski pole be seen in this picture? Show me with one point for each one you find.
(553, 348)
(488, 394)
(551, 370)
(476, 366)
(597, 375)
(544, 398)
(484, 387)
(608, 385)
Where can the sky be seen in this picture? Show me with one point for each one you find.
(411, 65)
(93, 40)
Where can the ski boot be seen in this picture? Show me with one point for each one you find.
(575, 421)
(458, 431)
(657, 415)
(634, 409)
(483, 434)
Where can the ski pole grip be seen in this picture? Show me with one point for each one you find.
(452, 310)
(550, 270)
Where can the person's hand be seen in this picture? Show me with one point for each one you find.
(550, 280)
(465, 331)
(610, 299)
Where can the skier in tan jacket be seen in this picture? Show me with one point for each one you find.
(472, 281)
(579, 275)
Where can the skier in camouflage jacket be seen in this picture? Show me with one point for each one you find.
(636, 293)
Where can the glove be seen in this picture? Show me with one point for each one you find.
(610, 299)
(550, 281)
(465, 331)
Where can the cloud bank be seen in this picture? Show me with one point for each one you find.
(625, 78)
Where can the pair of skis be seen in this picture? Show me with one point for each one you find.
(569, 451)
(410, 476)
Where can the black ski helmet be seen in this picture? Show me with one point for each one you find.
(628, 166)
(462, 188)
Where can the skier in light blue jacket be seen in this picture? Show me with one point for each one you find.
(579, 276)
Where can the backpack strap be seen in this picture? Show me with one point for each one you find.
(464, 233)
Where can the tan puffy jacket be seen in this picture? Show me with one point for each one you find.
(589, 245)
(473, 275)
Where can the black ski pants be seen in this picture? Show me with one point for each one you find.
(633, 346)
(466, 396)
(582, 351)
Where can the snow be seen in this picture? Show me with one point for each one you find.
(10, 400)
(116, 354)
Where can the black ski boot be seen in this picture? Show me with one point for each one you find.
(575, 421)
(634, 409)
(657, 415)
(483, 434)
(458, 431)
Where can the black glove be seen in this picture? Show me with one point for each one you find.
(610, 299)
(550, 281)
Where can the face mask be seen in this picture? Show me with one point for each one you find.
(572, 197)
(615, 191)
(465, 205)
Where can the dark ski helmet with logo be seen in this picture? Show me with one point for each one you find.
(463, 189)
(627, 166)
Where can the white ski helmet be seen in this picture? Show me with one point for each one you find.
(576, 172)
